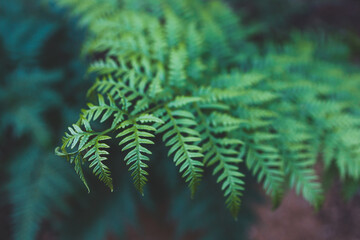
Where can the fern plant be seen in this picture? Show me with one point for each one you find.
(184, 71)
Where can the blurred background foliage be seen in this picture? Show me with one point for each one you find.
(41, 77)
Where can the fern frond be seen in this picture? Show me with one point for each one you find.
(78, 161)
(96, 155)
(38, 184)
(95, 111)
(305, 181)
(128, 91)
(238, 80)
(299, 160)
(173, 28)
(104, 67)
(268, 167)
(181, 101)
(177, 63)
(194, 42)
(180, 136)
(91, 147)
(223, 153)
(135, 134)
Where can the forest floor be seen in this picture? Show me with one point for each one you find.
(295, 219)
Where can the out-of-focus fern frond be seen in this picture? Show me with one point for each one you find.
(37, 185)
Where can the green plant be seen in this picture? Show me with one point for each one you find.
(184, 70)
(40, 90)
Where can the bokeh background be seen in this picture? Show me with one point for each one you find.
(42, 88)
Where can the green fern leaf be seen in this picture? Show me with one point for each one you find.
(222, 153)
(135, 135)
(180, 136)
